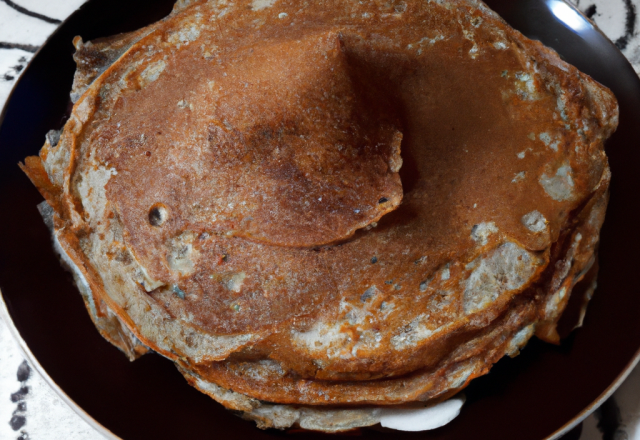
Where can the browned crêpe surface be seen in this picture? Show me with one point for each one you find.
(331, 202)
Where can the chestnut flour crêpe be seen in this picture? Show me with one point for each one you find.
(321, 209)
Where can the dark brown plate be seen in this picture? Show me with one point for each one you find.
(540, 394)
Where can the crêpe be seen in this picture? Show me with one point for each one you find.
(313, 205)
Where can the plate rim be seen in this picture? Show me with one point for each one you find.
(3, 110)
(5, 315)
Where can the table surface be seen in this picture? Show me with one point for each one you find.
(31, 410)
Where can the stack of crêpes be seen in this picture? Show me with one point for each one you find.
(328, 212)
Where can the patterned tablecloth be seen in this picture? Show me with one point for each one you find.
(30, 409)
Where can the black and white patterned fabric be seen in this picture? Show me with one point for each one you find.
(31, 409)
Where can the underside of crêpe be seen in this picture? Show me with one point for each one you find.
(319, 210)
